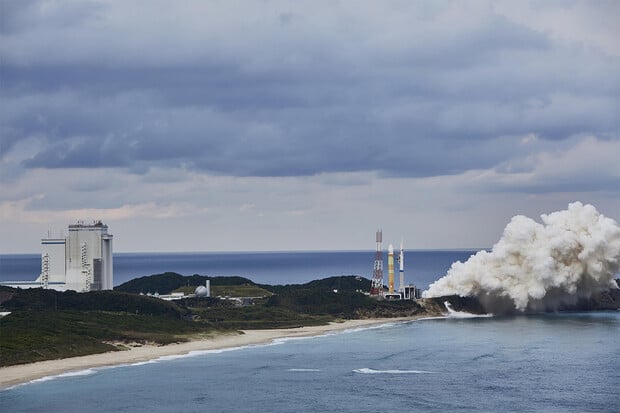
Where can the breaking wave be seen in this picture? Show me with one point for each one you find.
(573, 254)
(304, 370)
(372, 371)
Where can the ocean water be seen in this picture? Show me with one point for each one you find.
(537, 363)
(421, 267)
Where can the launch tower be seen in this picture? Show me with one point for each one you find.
(390, 269)
(401, 269)
(376, 288)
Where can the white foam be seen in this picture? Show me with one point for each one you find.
(283, 340)
(442, 317)
(372, 327)
(304, 370)
(77, 373)
(462, 314)
(372, 371)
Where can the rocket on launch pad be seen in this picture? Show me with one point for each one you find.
(405, 292)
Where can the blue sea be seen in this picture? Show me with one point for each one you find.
(422, 267)
(567, 362)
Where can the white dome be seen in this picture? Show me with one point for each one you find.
(201, 291)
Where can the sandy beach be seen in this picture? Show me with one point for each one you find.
(12, 375)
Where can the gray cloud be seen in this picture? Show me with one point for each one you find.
(419, 89)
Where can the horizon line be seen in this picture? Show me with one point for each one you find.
(269, 251)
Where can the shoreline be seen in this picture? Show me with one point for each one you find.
(24, 373)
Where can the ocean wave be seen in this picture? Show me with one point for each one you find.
(284, 340)
(441, 317)
(86, 372)
(358, 329)
(196, 353)
(372, 371)
(304, 370)
(77, 373)
(387, 324)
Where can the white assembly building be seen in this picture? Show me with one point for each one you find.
(82, 261)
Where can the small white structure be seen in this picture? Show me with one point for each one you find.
(204, 291)
(82, 261)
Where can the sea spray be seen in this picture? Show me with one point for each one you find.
(573, 254)
(452, 313)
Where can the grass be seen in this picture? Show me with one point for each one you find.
(257, 318)
(29, 336)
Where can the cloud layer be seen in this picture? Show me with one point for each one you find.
(503, 98)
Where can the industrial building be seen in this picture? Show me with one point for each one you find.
(81, 261)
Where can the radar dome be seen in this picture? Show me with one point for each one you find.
(201, 291)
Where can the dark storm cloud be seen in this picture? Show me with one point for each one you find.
(290, 96)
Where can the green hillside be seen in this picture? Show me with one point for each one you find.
(47, 324)
(343, 283)
(169, 281)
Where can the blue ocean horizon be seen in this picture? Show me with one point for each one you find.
(422, 267)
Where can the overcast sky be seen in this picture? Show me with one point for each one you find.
(304, 125)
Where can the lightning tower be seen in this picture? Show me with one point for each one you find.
(401, 268)
(390, 269)
(376, 288)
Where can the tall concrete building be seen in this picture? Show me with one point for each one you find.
(82, 261)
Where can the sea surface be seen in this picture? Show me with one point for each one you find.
(421, 267)
(567, 362)
(539, 363)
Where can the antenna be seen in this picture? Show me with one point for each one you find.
(401, 268)
(376, 288)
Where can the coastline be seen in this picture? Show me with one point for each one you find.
(24, 373)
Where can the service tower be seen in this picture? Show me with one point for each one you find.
(401, 268)
(376, 288)
(390, 269)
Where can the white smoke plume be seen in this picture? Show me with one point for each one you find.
(572, 254)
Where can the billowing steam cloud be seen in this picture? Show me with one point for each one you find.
(573, 254)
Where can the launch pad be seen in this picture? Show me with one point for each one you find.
(377, 289)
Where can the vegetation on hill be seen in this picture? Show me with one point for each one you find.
(169, 281)
(46, 324)
(348, 305)
(38, 299)
(29, 336)
(344, 283)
